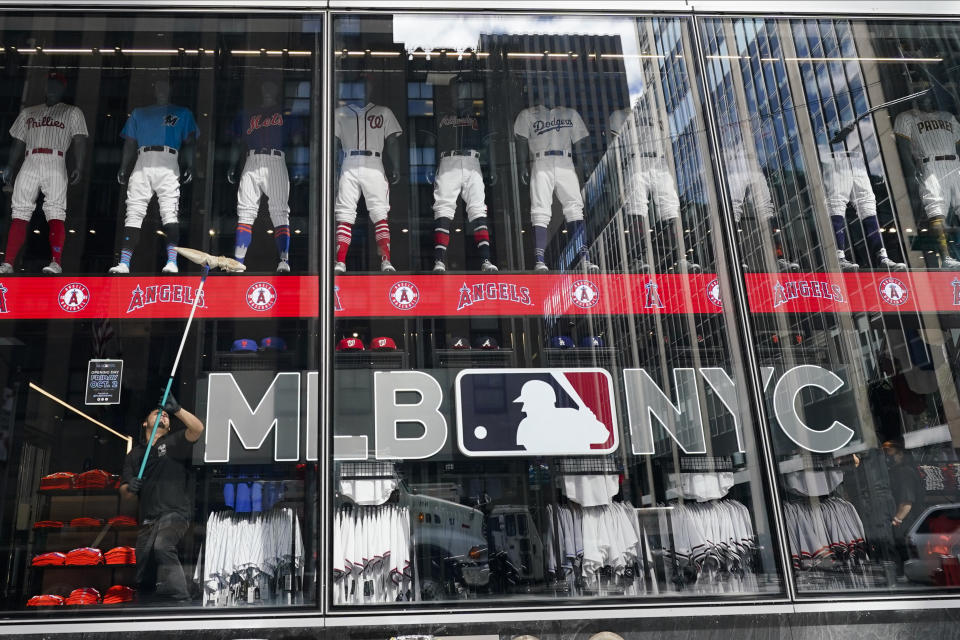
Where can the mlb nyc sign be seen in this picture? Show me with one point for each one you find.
(503, 412)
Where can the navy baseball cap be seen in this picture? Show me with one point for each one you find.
(273, 343)
(591, 341)
(244, 345)
(561, 342)
(486, 342)
(457, 342)
(350, 344)
(383, 344)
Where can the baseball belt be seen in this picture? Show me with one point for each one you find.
(935, 158)
(265, 151)
(465, 152)
(553, 152)
(157, 147)
(43, 150)
(364, 152)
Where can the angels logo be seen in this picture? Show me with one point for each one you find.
(493, 291)
(783, 293)
(261, 296)
(184, 294)
(713, 292)
(73, 297)
(3, 299)
(404, 295)
(955, 283)
(549, 412)
(585, 294)
(652, 299)
(337, 305)
(893, 291)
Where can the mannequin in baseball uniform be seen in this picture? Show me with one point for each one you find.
(261, 136)
(638, 141)
(365, 134)
(161, 138)
(461, 135)
(846, 179)
(548, 141)
(41, 136)
(927, 142)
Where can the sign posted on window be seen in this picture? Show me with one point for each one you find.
(103, 381)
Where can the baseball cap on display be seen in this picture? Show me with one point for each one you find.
(561, 342)
(383, 344)
(244, 345)
(486, 342)
(273, 343)
(591, 341)
(350, 344)
(59, 77)
(458, 342)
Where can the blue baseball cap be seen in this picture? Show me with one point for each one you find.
(244, 344)
(273, 343)
(561, 342)
(591, 341)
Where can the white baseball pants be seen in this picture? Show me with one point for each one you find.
(846, 180)
(940, 187)
(264, 175)
(554, 174)
(40, 173)
(362, 175)
(156, 172)
(649, 180)
(459, 176)
(740, 182)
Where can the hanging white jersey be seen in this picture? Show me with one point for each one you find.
(637, 134)
(931, 133)
(555, 129)
(365, 128)
(43, 127)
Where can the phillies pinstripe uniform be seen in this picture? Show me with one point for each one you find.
(933, 137)
(362, 132)
(46, 133)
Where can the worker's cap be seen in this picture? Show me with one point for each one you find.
(591, 341)
(561, 342)
(244, 345)
(383, 344)
(458, 342)
(486, 342)
(350, 344)
(273, 343)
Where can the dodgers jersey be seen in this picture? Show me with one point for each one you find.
(931, 133)
(460, 131)
(366, 127)
(550, 129)
(160, 124)
(43, 127)
(271, 128)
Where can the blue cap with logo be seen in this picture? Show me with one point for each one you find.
(561, 342)
(244, 345)
(457, 342)
(591, 341)
(273, 343)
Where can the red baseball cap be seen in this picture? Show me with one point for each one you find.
(383, 344)
(59, 77)
(350, 344)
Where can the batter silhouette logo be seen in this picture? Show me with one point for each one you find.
(585, 294)
(74, 297)
(404, 295)
(261, 296)
(893, 291)
(542, 412)
(713, 293)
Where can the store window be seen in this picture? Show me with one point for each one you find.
(839, 144)
(538, 391)
(126, 137)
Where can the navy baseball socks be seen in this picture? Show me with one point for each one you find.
(871, 231)
(131, 237)
(441, 240)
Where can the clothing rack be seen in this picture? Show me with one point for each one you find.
(368, 470)
(594, 465)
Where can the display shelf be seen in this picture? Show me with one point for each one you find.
(86, 566)
(475, 358)
(111, 491)
(368, 359)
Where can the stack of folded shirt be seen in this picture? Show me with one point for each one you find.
(83, 595)
(86, 522)
(94, 479)
(84, 556)
(122, 521)
(58, 480)
(47, 600)
(47, 524)
(118, 593)
(52, 559)
(121, 555)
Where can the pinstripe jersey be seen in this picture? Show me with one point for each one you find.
(43, 127)
(931, 133)
(365, 128)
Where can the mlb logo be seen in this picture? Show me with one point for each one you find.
(536, 412)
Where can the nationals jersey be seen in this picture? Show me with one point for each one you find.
(266, 128)
(553, 129)
(43, 127)
(931, 133)
(160, 125)
(365, 128)
(458, 132)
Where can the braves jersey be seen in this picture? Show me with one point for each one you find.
(266, 128)
(365, 128)
(555, 129)
(43, 127)
(931, 133)
(160, 124)
(460, 132)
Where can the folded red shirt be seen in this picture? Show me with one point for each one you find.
(46, 600)
(121, 555)
(94, 479)
(51, 559)
(83, 595)
(47, 524)
(86, 522)
(84, 556)
(119, 593)
(122, 521)
(58, 480)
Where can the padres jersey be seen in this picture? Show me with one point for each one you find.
(43, 127)
(458, 132)
(266, 128)
(365, 128)
(931, 133)
(160, 124)
(553, 129)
